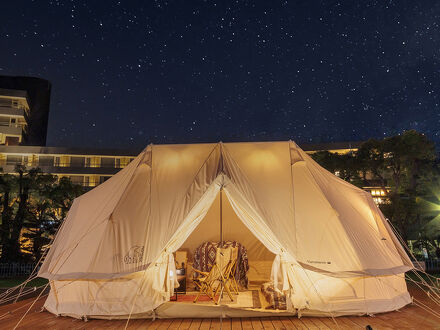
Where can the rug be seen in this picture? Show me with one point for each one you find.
(191, 297)
(245, 299)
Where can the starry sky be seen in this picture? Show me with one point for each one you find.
(128, 73)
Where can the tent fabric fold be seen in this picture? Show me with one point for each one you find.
(324, 232)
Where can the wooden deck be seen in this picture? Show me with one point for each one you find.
(410, 317)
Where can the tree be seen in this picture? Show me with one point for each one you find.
(33, 205)
(7, 183)
(403, 165)
(409, 159)
(47, 209)
(345, 166)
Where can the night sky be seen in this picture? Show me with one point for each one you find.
(127, 73)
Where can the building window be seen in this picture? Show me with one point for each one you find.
(378, 200)
(107, 162)
(32, 161)
(92, 162)
(103, 178)
(378, 192)
(91, 180)
(14, 159)
(122, 162)
(46, 160)
(77, 179)
(61, 161)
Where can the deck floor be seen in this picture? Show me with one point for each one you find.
(410, 317)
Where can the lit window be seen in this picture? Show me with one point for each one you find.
(123, 161)
(94, 181)
(61, 161)
(92, 162)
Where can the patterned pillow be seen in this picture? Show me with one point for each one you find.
(275, 297)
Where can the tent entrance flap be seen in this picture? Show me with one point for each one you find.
(224, 220)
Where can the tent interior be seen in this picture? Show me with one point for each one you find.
(221, 220)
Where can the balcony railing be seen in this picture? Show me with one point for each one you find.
(62, 164)
(69, 164)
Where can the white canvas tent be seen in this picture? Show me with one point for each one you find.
(331, 249)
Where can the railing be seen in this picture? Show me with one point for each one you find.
(432, 265)
(16, 269)
(428, 265)
(11, 125)
(35, 164)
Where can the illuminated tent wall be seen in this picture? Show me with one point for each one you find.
(334, 252)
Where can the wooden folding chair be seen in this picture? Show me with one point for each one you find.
(207, 280)
(231, 275)
(228, 281)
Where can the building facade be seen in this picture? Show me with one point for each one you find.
(87, 167)
(24, 110)
(14, 106)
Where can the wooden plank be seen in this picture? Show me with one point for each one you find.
(195, 324)
(236, 323)
(256, 323)
(246, 323)
(226, 324)
(285, 320)
(267, 323)
(205, 325)
(216, 323)
(319, 323)
(296, 322)
(175, 324)
(138, 324)
(363, 321)
(308, 323)
(343, 323)
(186, 324)
(330, 323)
(156, 324)
(277, 324)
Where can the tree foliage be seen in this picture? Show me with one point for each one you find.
(33, 204)
(404, 165)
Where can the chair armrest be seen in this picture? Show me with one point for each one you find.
(200, 272)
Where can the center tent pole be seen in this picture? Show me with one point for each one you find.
(221, 284)
(221, 217)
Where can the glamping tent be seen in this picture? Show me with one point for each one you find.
(320, 241)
